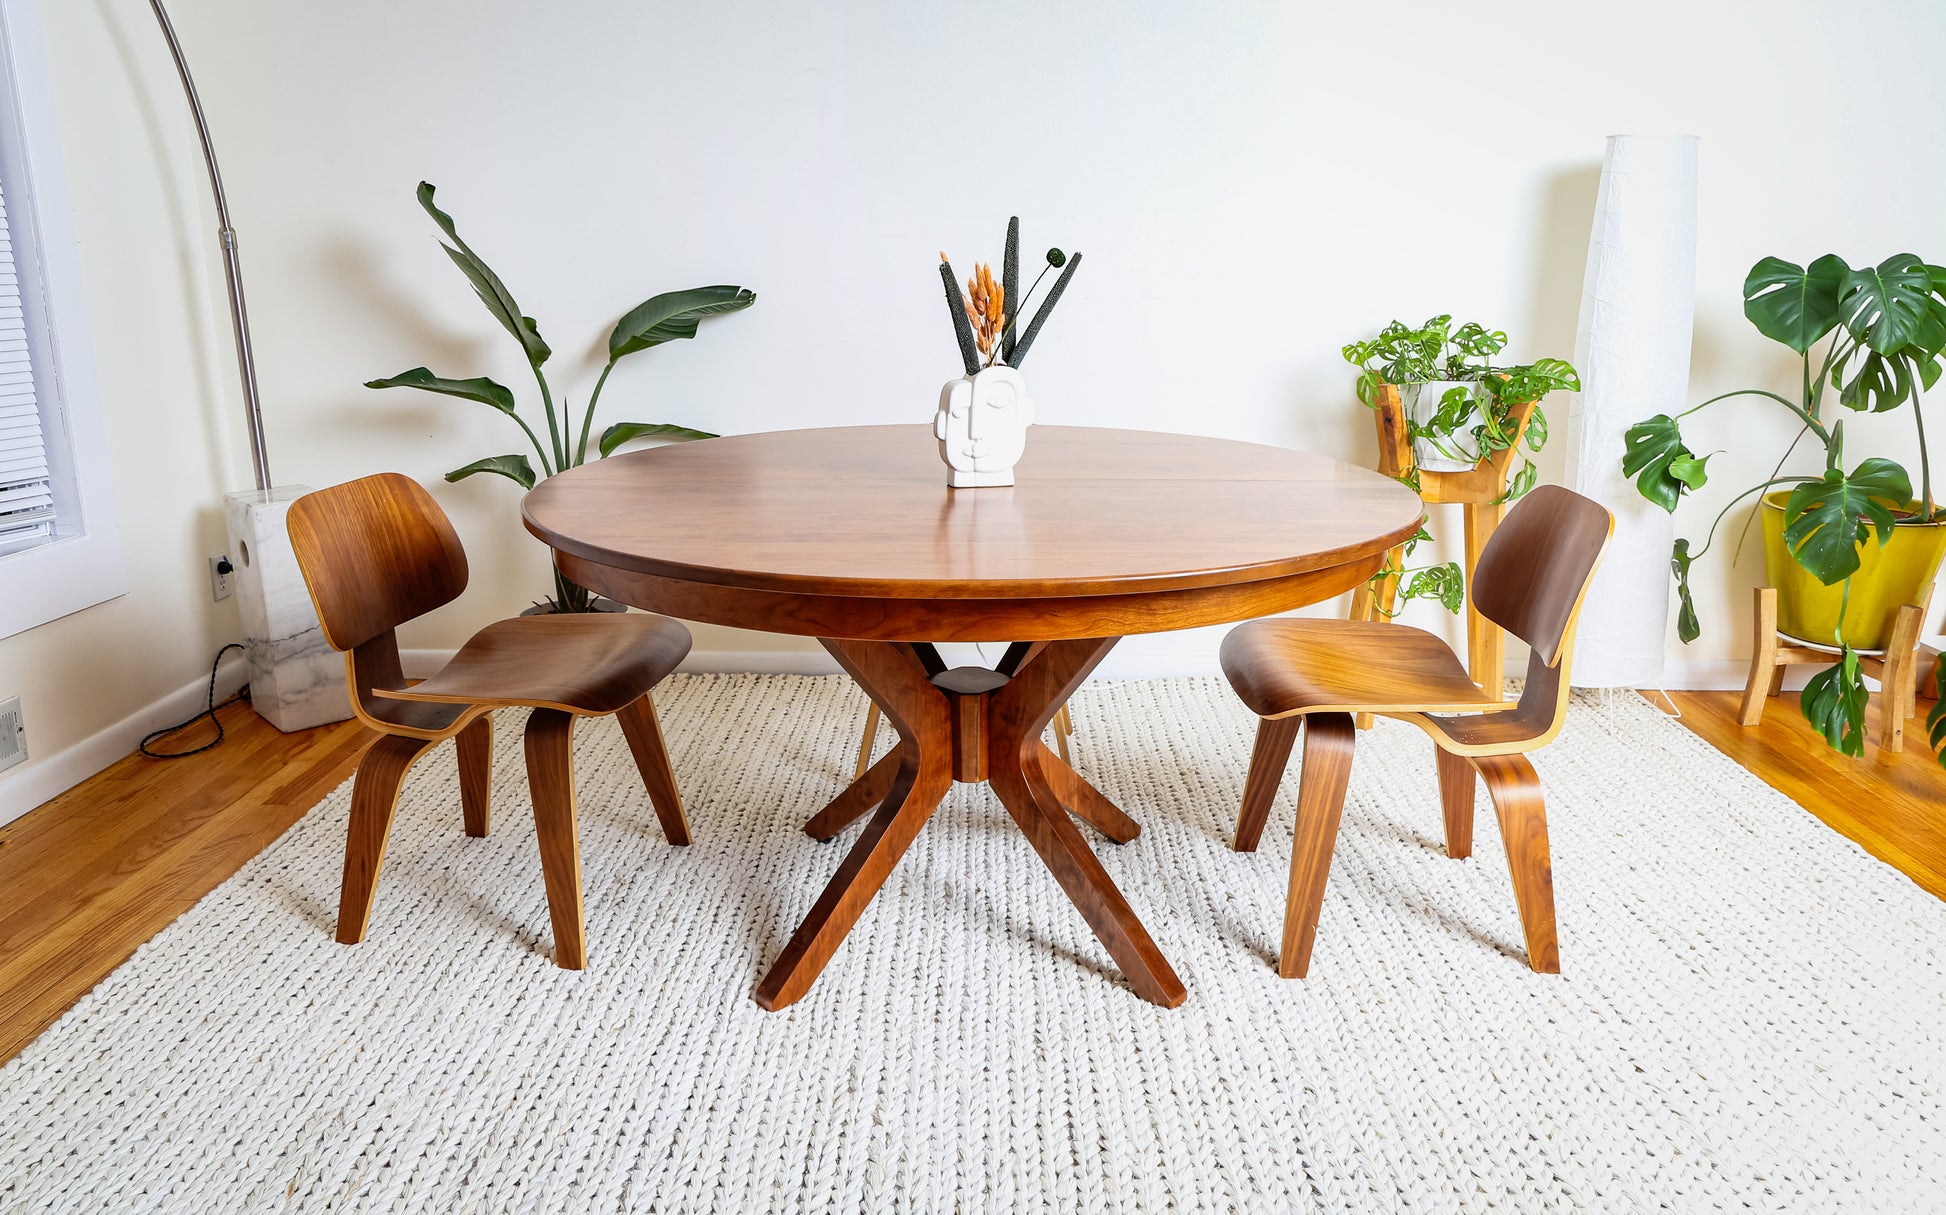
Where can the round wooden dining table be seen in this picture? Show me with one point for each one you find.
(850, 535)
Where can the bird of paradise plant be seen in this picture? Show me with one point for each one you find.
(662, 318)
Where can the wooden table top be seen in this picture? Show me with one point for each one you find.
(865, 511)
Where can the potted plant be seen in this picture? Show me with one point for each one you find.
(982, 418)
(1844, 549)
(659, 319)
(1461, 409)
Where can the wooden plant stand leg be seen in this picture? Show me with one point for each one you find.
(898, 682)
(1516, 792)
(1486, 645)
(865, 743)
(475, 745)
(1456, 792)
(1896, 698)
(1016, 715)
(1328, 742)
(374, 796)
(1268, 759)
(1766, 676)
(550, 779)
(644, 734)
(1368, 603)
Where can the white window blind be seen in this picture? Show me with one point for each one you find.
(26, 496)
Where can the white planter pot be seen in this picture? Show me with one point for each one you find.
(982, 427)
(1421, 402)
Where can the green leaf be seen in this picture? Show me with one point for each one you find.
(513, 468)
(1885, 306)
(1834, 702)
(622, 432)
(672, 315)
(1882, 382)
(1444, 584)
(1536, 430)
(1653, 447)
(1519, 484)
(483, 390)
(1690, 470)
(1790, 304)
(1824, 520)
(1688, 628)
(486, 284)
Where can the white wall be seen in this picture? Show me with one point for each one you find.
(1253, 184)
(92, 683)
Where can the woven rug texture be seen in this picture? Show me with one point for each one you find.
(1752, 1013)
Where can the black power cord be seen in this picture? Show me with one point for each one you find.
(209, 711)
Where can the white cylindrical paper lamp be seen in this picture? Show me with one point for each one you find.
(1638, 307)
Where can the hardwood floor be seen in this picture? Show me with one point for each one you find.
(88, 877)
(1894, 804)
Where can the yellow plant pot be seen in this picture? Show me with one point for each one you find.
(1887, 579)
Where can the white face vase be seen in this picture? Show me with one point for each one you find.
(982, 427)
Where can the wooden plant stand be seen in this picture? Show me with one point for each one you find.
(1477, 492)
(1904, 669)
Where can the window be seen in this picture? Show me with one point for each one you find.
(59, 548)
(26, 493)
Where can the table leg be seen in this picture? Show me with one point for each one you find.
(1084, 801)
(896, 678)
(1016, 715)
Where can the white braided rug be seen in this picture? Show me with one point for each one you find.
(1751, 1017)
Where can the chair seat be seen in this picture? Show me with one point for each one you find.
(590, 664)
(1285, 666)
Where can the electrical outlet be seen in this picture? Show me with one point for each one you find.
(13, 734)
(220, 570)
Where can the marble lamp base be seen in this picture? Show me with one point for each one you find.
(296, 679)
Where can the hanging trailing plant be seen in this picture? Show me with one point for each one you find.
(1475, 417)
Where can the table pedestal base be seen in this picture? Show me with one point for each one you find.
(971, 724)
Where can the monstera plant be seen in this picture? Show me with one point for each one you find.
(659, 319)
(1872, 336)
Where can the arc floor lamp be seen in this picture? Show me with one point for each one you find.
(296, 679)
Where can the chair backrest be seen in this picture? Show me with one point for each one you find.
(1535, 570)
(1531, 581)
(375, 552)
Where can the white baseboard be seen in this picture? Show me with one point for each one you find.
(39, 779)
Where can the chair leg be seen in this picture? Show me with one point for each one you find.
(1456, 791)
(644, 734)
(1063, 727)
(1267, 762)
(374, 796)
(550, 777)
(475, 745)
(1328, 742)
(1516, 792)
(865, 744)
(1765, 674)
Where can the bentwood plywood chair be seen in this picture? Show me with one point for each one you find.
(378, 552)
(1530, 580)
